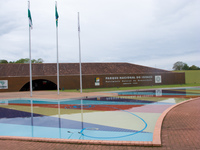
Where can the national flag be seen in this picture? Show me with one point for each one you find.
(29, 16)
(56, 14)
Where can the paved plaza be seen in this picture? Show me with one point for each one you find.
(180, 128)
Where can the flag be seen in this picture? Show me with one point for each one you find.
(29, 16)
(56, 14)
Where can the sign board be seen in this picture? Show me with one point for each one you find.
(97, 81)
(158, 79)
(129, 80)
(3, 84)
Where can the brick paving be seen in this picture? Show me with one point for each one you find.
(180, 130)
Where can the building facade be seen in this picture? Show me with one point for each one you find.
(16, 77)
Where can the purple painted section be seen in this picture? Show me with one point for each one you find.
(10, 113)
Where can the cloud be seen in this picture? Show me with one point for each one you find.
(148, 32)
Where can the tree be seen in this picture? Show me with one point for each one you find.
(193, 67)
(3, 61)
(23, 60)
(186, 67)
(179, 65)
(40, 60)
(26, 60)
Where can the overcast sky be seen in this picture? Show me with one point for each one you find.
(154, 33)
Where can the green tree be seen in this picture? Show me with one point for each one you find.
(186, 67)
(178, 65)
(33, 61)
(193, 67)
(3, 61)
(26, 60)
(23, 60)
(40, 60)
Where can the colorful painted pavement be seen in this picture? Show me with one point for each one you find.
(130, 116)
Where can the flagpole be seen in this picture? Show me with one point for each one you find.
(80, 54)
(57, 61)
(30, 64)
(57, 46)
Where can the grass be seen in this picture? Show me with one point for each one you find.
(131, 88)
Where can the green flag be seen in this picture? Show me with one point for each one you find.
(29, 17)
(56, 13)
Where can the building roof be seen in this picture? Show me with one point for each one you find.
(50, 69)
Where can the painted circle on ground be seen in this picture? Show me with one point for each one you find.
(113, 137)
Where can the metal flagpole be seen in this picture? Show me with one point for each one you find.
(30, 65)
(56, 13)
(57, 61)
(79, 54)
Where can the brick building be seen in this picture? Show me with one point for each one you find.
(15, 77)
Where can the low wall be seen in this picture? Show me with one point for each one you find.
(10, 84)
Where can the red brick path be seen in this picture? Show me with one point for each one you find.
(180, 131)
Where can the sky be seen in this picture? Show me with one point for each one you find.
(154, 33)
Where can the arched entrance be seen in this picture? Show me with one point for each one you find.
(40, 84)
